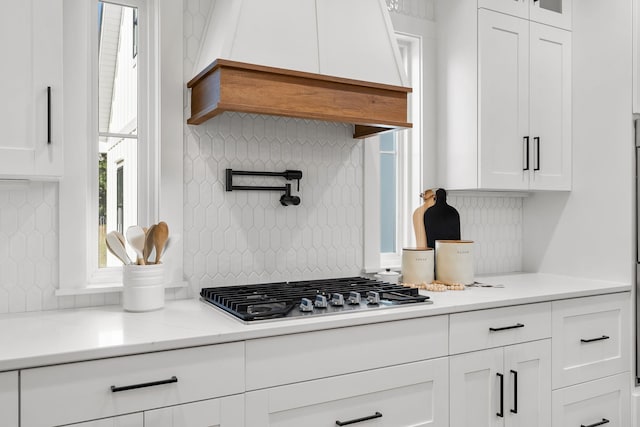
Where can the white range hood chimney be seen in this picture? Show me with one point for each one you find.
(334, 60)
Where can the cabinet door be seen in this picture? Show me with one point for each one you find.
(475, 385)
(550, 124)
(131, 420)
(223, 412)
(602, 402)
(414, 394)
(31, 45)
(527, 370)
(9, 399)
(551, 12)
(503, 86)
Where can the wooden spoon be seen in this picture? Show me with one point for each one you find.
(149, 241)
(136, 238)
(161, 235)
(116, 247)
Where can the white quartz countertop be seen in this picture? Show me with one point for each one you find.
(52, 337)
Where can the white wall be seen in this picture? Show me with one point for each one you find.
(589, 231)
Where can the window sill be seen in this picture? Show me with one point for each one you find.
(104, 288)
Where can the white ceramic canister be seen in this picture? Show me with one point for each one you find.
(143, 287)
(417, 265)
(454, 261)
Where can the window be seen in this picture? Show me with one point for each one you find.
(120, 199)
(118, 111)
(135, 33)
(113, 176)
(388, 193)
(393, 174)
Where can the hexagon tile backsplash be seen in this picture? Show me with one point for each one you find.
(248, 236)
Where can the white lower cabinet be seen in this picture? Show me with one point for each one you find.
(9, 399)
(131, 420)
(412, 394)
(590, 338)
(591, 361)
(224, 412)
(603, 402)
(504, 386)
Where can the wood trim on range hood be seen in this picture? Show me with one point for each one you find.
(236, 86)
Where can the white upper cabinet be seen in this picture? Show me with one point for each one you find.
(503, 62)
(550, 107)
(31, 89)
(550, 12)
(505, 100)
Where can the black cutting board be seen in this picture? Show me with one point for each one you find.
(441, 221)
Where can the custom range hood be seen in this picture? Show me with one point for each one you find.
(331, 60)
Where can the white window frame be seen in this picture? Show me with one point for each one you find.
(409, 170)
(160, 166)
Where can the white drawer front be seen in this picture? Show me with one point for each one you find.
(300, 357)
(415, 394)
(222, 412)
(131, 420)
(9, 399)
(76, 392)
(594, 402)
(591, 338)
(477, 330)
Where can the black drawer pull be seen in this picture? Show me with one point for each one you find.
(115, 389)
(526, 152)
(515, 391)
(504, 328)
(604, 421)
(604, 337)
(48, 114)
(501, 413)
(359, 420)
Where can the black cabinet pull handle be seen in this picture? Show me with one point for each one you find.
(501, 412)
(604, 337)
(504, 328)
(48, 114)
(526, 152)
(115, 389)
(604, 421)
(359, 420)
(536, 139)
(515, 391)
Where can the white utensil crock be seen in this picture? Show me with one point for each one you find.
(143, 287)
(454, 261)
(417, 265)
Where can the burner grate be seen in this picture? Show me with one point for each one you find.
(281, 299)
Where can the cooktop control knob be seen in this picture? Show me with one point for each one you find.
(337, 300)
(321, 301)
(306, 305)
(373, 297)
(354, 298)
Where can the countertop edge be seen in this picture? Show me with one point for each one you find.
(243, 332)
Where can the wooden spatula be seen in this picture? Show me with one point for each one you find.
(161, 235)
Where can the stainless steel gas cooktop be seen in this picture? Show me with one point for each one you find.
(280, 300)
